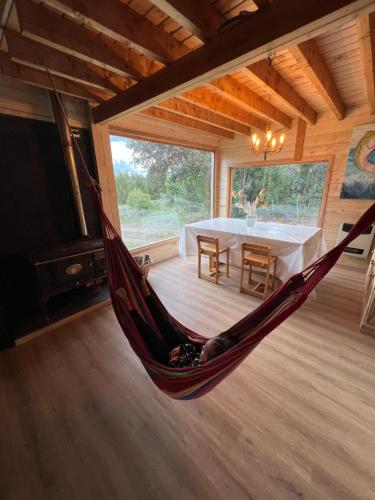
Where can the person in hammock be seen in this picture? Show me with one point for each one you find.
(194, 353)
(173, 348)
(181, 351)
(157, 344)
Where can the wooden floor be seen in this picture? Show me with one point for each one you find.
(81, 420)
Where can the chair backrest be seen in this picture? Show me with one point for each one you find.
(252, 248)
(203, 241)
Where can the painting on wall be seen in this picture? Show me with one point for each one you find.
(359, 179)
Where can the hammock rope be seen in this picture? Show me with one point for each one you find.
(142, 315)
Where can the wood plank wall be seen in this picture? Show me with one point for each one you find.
(150, 127)
(328, 137)
(20, 99)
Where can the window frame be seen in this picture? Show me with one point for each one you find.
(329, 159)
(215, 177)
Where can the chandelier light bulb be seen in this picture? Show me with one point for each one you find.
(269, 144)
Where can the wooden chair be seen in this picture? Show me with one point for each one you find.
(260, 258)
(209, 245)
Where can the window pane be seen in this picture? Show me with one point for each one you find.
(159, 188)
(293, 192)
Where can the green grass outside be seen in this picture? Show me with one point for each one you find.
(285, 213)
(142, 227)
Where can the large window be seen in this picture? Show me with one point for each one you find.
(293, 191)
(160, 188)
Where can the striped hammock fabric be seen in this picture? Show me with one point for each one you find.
(139, 312)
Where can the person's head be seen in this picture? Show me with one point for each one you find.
(214, 347)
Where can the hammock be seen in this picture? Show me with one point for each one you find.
(143, 317)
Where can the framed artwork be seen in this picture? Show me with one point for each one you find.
(359, 179)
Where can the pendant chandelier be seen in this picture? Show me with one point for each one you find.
(271, 144)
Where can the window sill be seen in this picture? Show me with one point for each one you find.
(152, 246)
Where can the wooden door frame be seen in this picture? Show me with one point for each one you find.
(329, 159)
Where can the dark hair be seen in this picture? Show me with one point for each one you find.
(219, 345)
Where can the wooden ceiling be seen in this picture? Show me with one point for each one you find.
(97, 50)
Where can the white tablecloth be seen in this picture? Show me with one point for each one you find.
(295, 246)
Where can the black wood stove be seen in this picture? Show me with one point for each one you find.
(66, 266)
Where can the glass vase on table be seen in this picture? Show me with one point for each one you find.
(251, 216)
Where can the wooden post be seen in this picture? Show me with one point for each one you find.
(300, 139)
(216, 183)
(103, 155)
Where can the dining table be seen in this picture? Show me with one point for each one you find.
(296, 246)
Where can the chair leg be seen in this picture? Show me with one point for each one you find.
(274, 275)
(228, 263)
(199, 264)
(266, 282)
(210, 263)
(241, 277)
(250, 274)
(217, 268)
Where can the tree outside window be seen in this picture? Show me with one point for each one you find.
(160, 188)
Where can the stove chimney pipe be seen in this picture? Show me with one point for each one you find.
(70, 162)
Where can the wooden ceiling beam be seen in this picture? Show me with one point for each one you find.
(234, 49)
(122, 23)
(239, 93)
(366, 33)
(267, 77)
(181, 107)
(198, 16)
(315, 68)
(37, 55)
(215, 102)
(263, 3)
(163, 114)
(41, 79)
(5, 6)
(47, 27)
